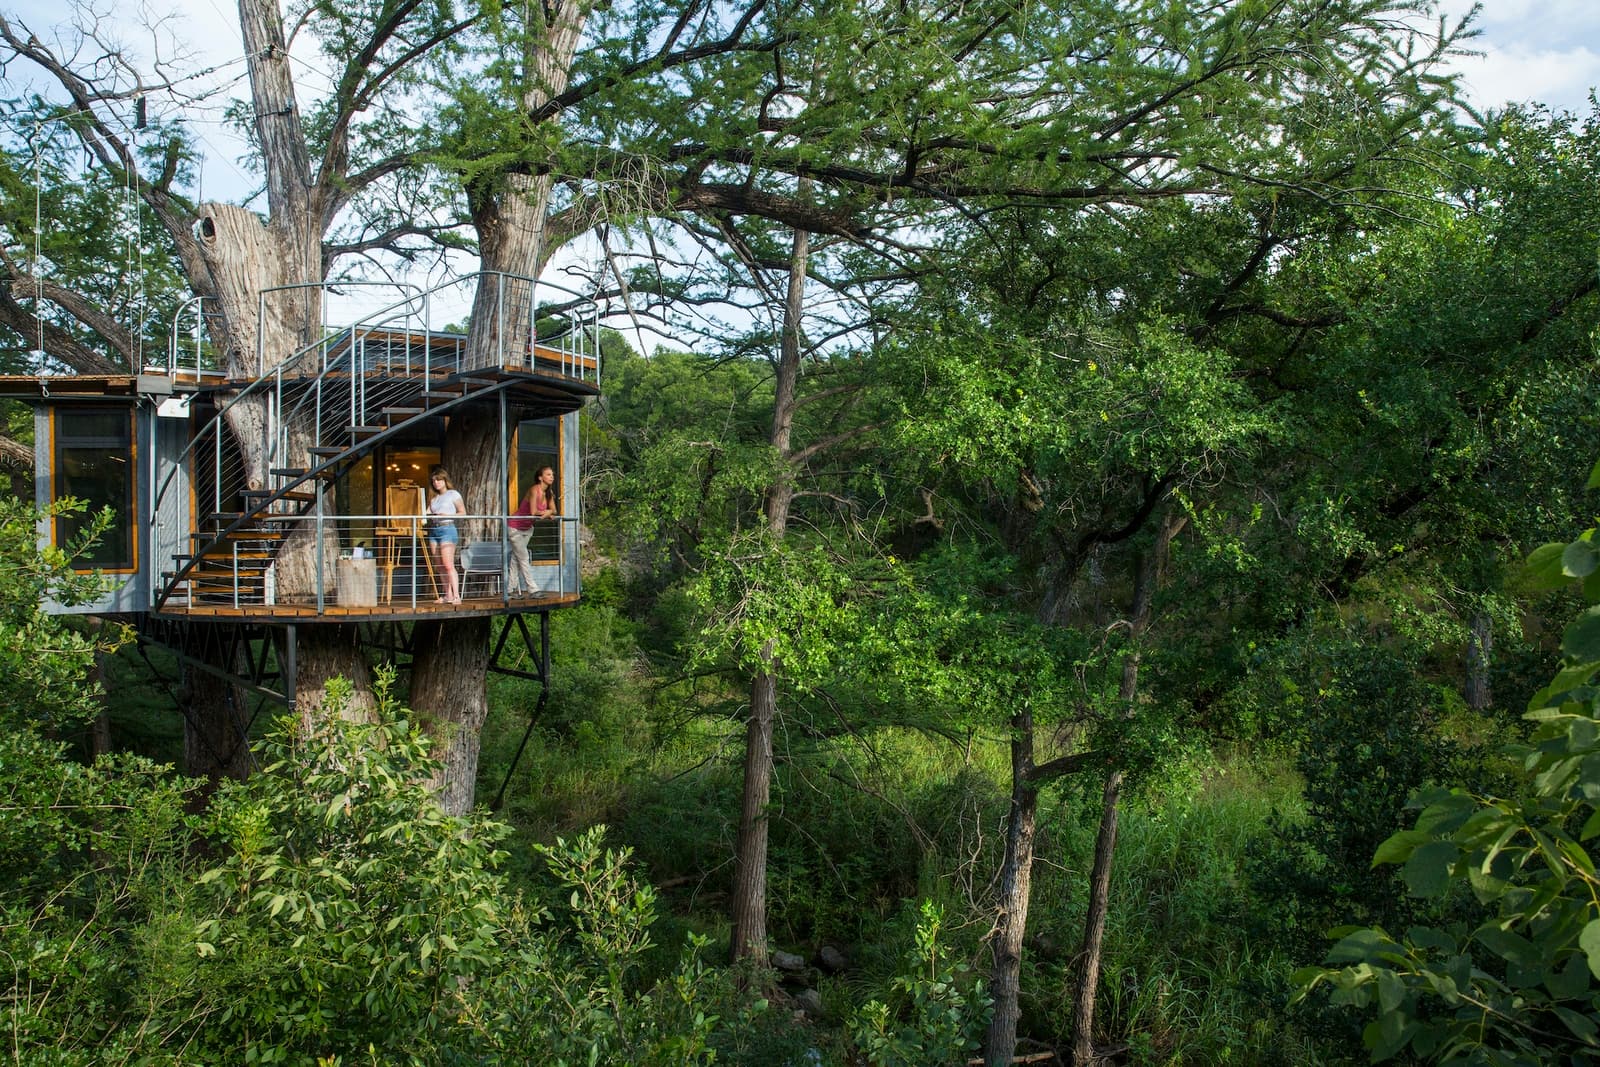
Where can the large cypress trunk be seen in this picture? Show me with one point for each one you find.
(510, 214)
(442, 683)
(245, 259)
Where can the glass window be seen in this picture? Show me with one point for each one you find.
(539, 446)
(93, 463)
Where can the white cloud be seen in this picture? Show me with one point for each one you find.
(1517, 74)
(1545, 51)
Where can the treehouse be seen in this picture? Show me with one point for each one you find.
(245, 507)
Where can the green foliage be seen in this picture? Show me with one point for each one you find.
(346, 917)
(937, 1009)
(1367, 736)
(113, 252)
(43, 660)
(771, 601)
(349, 907)
(565, 996)
(1521, 986)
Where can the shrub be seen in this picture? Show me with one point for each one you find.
(935, 1013)
(1517, 985)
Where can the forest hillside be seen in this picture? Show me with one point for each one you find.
(1103, 572)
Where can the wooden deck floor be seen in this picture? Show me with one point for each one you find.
(401, 610)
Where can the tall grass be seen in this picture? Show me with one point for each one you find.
(865, 827)
(1183, 981)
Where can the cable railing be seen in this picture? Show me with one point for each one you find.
(536, 325)
(380, 564)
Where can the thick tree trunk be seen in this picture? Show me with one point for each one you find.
(262, 324)
(453, 712)
(1016, 875)
(214, 746)
(323, 653)
(449, 670)
(749, 904)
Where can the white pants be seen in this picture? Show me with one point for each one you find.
(521, 575)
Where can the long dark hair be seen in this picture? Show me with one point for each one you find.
(438, 471)
(538, 484)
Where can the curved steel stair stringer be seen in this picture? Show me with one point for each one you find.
(247, 523)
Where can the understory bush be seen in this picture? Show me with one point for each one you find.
(325, 910)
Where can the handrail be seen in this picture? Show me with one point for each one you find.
(413, 530)
(194, 305)
(313, 474)
(275, 376)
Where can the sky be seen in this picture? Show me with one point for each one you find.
(1545, 51)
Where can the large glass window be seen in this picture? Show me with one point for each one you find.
(93, 463)
(539, 446)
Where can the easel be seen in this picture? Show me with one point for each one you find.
(405, 506)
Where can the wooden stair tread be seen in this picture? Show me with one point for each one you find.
(289, 494)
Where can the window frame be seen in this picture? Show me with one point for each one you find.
(515, 486)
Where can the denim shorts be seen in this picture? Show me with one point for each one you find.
(443, 534)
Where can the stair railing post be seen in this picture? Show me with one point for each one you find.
(533, 323)
(505, 480)
(216, 465)
(427, 341)
(277, 434)
(321, 586)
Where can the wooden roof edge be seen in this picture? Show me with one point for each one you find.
(49, 386)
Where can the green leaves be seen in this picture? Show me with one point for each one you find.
(1580, 641)
(1428, 869)
(1523, 991)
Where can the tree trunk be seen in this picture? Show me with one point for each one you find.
(325, 652)
(1480, 650)
(100, 728)
(1005, 983)
(453, 714)
(1147, 576)
(1094, 925)
(450, 666)
(750, 850)
(214, 747)
(449, 670)
(246, 261)
(749, 902)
